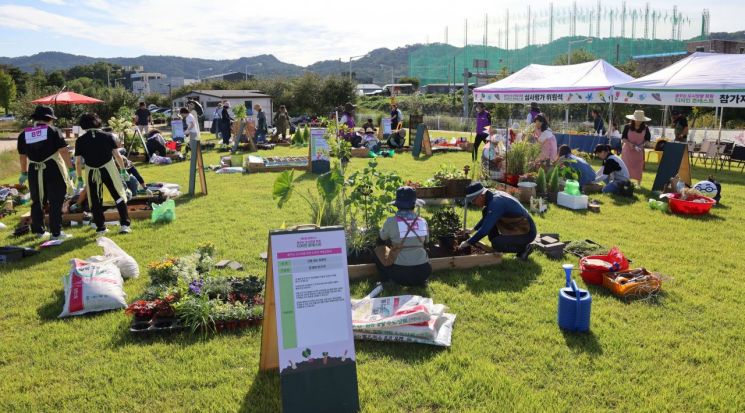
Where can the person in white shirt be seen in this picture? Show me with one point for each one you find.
(192, 127)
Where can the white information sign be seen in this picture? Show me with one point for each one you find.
(319, 146)
(314, 316)
(177, 128)
(386, 126)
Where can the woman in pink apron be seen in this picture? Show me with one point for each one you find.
(634, 135)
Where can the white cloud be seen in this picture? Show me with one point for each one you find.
(54, 2)
(296, 31)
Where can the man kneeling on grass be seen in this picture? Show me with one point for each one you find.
(504, 219)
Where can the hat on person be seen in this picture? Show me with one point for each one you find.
(43, 113)
(474, 190)
(348, 107)
(369, 130)
(638, 116)
(401, 132)
(406, 198)
(534, 105)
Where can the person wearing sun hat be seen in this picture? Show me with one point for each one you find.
(370, 141)
(409, 232)
(505, 221)
(634, 135)
(46, 164)
(483, 121)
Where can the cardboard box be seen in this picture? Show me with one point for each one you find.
(572, 201)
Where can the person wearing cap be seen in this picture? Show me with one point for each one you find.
(347, 117)
(97, 151)
(580, 166)
(547, 139)
(396, 116)
(680, 126)
(46, 164)
(216, 117)
(614, 172)
(634, 135)
(226, 123)
(410, 232)
(370, 141)
(533, 112)
(368, 124)
(494, 151)
(505, 221)
(483, 121)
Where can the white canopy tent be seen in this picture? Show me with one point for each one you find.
(701, 79)
(589, 82)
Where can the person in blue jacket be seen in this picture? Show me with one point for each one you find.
(583, 169)
(505, 221)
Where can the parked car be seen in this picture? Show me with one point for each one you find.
(7, 118)
(299, 121)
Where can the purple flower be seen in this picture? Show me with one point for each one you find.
(195, 287)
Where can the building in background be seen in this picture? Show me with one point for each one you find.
(229, 76)
(717, 46)
(210, 98)
(368, 89)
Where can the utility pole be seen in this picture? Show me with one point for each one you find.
(466, 76)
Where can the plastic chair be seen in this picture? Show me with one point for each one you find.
(737, 156)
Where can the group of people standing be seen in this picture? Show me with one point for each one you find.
(47, 164)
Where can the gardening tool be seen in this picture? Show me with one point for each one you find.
(574, 305)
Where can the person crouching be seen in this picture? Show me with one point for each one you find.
(505, 221)
(104, 166)
(407, 233)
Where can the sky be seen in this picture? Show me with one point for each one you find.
(295, 31)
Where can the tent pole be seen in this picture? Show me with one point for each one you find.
(721, 116)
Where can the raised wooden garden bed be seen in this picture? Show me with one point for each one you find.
(361, 271)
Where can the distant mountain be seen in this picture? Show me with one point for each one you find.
(377, 65)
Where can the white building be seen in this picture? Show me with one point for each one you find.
(210, 98)
(145, 83)
(368, 88)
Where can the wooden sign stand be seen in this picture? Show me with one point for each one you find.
(269, 358)
(675, 161)
(197, 167)
(421, 141)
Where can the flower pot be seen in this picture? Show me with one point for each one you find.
(431, 192)
(447, 242)
(527, 190)
(511, 179)
(552, 197)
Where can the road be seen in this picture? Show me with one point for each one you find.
(7, 145)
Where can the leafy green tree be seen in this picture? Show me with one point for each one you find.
(7, 90)
(578, 56)
(413, 80)
(19, 77)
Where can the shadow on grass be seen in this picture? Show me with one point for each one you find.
(510, 275)
(181, 338)
(264, 394)
(50, 310)
(583, 343)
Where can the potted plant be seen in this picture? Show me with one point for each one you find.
(553, 185)
(443, 225)
(515, 163)
(453, 179)
(541, 183)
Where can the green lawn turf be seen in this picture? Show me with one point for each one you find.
(682, 352)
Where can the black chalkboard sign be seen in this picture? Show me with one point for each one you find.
(674, 162)
(421, 141)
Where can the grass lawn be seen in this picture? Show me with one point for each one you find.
(682, 352)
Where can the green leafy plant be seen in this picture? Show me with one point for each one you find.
(521, 157)
(553, 181)
(239, 111)
(195, 312)
(540, 181)
(322, 208)
(306, 135)
(216, 287)
(444, 222)
(448, 172)
(371, 194)
(297, 138)
(566, 171)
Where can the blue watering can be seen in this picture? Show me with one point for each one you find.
(574, 305)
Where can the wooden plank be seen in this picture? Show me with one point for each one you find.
(358, 272)
(269, 355)
(108, 215)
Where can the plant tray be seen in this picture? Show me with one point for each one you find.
(360, 152)
(175, 157)
(358, 272)
(173, 325)
(621, 284)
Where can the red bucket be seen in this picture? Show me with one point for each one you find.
(592, 270)
(694, 205)
(172, 145)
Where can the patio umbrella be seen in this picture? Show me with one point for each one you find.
(67, 98)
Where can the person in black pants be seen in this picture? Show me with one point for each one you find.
(104, 167)
(483, 121)
(46, 164)
(505, 221)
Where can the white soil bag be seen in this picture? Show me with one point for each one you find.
(375, 313)
(92, 287)
(111, 252)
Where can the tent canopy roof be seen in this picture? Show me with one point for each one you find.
(67, 98)
(589, 76)
(698, 72)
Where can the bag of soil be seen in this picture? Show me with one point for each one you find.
(437, 332)
(393, 311)
(92, 287)
(111, 252)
